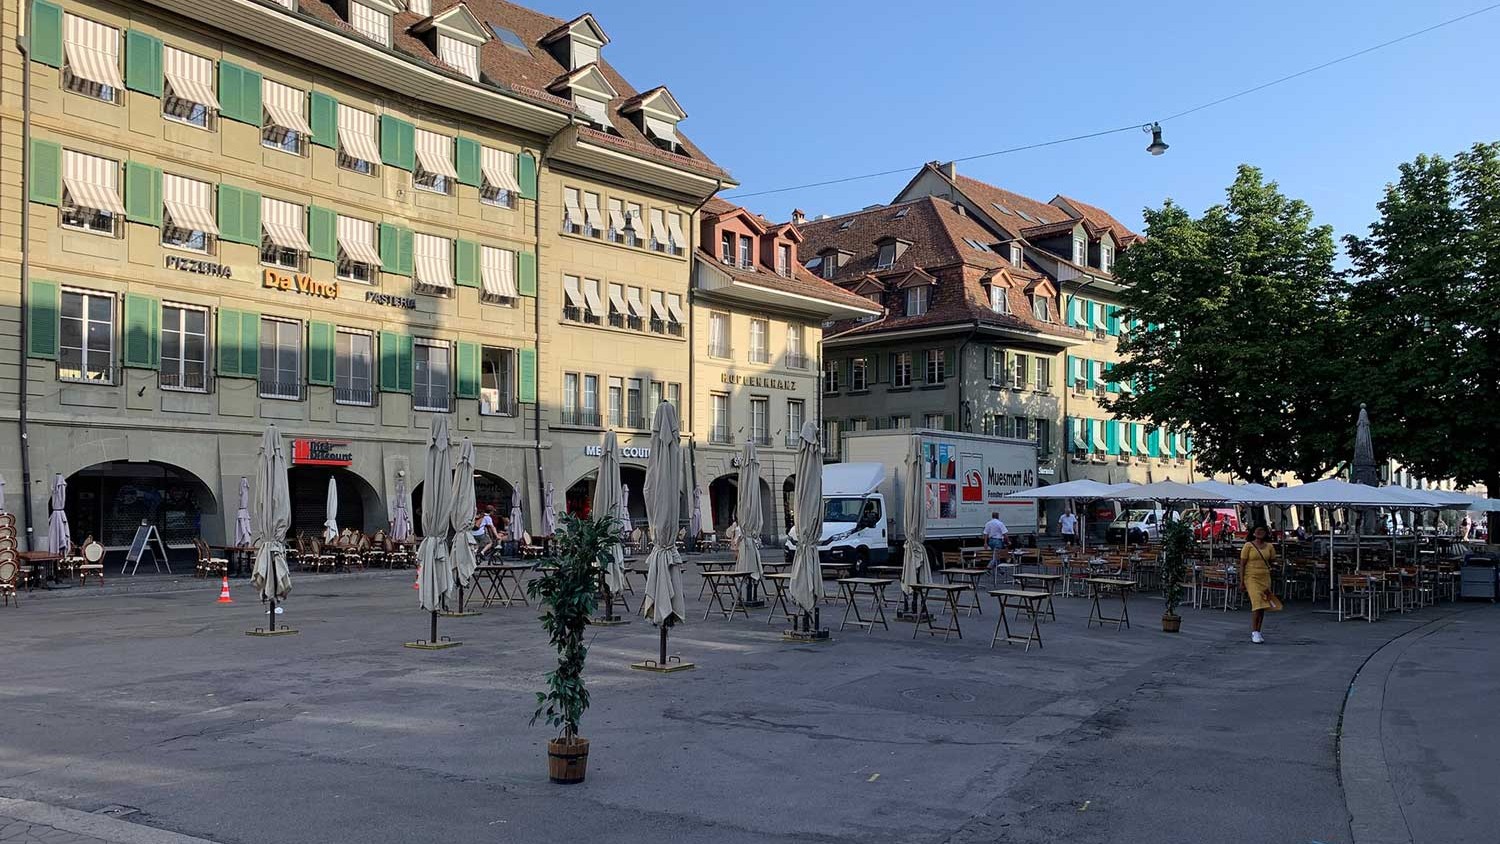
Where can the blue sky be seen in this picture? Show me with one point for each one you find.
(785, 93)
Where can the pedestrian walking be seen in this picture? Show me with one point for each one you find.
(994, 538)
(1255, 575)
(1067, 525)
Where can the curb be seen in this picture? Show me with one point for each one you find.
(1375, 815)
(100, 827)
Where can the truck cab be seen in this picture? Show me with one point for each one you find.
(856, 522)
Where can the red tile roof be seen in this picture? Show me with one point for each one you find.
(529, 74)
(1101, 219)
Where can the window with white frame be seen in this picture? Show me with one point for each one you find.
(594, 301)
(570, 398)
(796, 354)
(459, 54)
(358, 254)
(635, 411)
(590, 397)
(830, 376)
(917, 299)
(1041, 308)
(901, 423)
(654, 396)
(184, 348)
(784, 259)
(91, 194)
(1080, 250)
(760, 341)
(634, 223)
(720, 432)
(937, 360)
(675, 316)
(886, 257)
(831, 442)
(726, 248)
(1019, 368)
(901, 369)
(859, 374)
(718, 335)
(433, 256)
(188, 96)
(1041, 431)
(434, 171)
(284, 125)
(497, 381)
(86, 337)
(674, 398)
(658, 312)
(796, 414)
(283, 236)
(1016, 258)
(617, 307)
(658, 230)
(1043, 374)
(747, 252)
(359, 147)
(935, 421)
(499, 186)
(370, 22)
(676, 241)
(431, 376)
(354, 367)
(1106, 256)
(187, 214)
(999, 301)
(616, 401)
(280, 359)
(760, 420)
(91, 59)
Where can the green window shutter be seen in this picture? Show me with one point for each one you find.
(390, 344)
(324, 113)
(239, 215)
(1109, 382)
(42, 320)
(404, 369)
(322, 226)
(526, 165)
(142, 193)
(466, 155)
(949, 362)
(229, 342)
(142, 330)
(466, 263)
(1112, 319)
(390, 248)
(406, 242)
(47, 33)
(467, 385)
(143, 63)
(1153, 442)
(1112, 437)
(46, 172)
(320, 353)
(250, 344)
(526, 272)
(398, 142)
(526, 365)
(239, 93)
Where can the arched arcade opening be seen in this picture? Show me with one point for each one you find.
(109, 501)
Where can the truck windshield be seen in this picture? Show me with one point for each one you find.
(845, 509)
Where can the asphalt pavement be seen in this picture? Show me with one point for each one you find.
(150, 705)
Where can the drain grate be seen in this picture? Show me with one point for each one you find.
(117, 810)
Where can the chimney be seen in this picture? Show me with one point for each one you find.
(949, 170)
(798, 216)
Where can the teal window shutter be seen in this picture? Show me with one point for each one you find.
(320, 348)
(47, 33)
(466, 263)
(250, 344)
(1112, 320)
(467, 384)
(1088, 373)
(142, 331)
(406, 241)
(239, 215)
(324, 113)
(1112, 437)
(390, 248)
(1109, 381)
(526, 167)
(239, 94)
(42, 320)
(143, 70)
(466, 160)
(404, 363)
(390, 345)
(229, 342)
(142, 194)
(526, 273)
(398, 142)
(45, 184)
(526, 366)
(322, 232)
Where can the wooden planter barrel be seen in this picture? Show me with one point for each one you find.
(567, 761)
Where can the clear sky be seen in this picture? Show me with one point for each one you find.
(785, 93)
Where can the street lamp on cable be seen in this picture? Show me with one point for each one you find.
(1157, 145)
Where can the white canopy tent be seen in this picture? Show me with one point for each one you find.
(1071, 491)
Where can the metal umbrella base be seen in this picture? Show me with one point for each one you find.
(461, 613)
(433, 643)
(808, 627)
(664, 664)
(271, 628)
(609, 619)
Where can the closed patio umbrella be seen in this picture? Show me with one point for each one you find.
(461, 519)
(695, 521)
(517, 523)
(271, 519)
(549, 511)
(663, 600)
(58, 533)
(401, 514)
(806, 585)
(331, 511)
(608, 506)
(435, 572)
(751, 519)
(916, 567)
(242, 529)
(625, 524)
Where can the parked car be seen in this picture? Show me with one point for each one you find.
(1135, 527)
(1222, 523)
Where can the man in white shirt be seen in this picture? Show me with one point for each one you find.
(994, 537)
(1067, 525)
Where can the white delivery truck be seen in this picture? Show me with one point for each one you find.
(965, 478)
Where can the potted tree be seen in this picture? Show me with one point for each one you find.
(1177, 539)
(567, 595)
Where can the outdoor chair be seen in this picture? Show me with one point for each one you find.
(10, 575)
(1217, 580)
(353, 555)
(93, 562)
(317, 555)
(1356, 598)
(208, 565)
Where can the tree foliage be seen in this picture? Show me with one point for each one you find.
(1240, 317)
(1425, 307)
(567, 592)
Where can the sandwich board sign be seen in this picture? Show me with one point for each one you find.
(144, 536)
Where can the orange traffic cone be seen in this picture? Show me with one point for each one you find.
(224, 593)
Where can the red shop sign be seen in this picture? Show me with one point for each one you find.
(321, 453)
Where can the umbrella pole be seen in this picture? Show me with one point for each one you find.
(460, 599)
(662, 652)
(434, 638)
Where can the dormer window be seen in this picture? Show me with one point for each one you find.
(1040, 308)
(917, 300)
(419, 7)
(747, 252)
(576, 44)
(1106, 256)
(1080, 249)
(887, 256)
(458, 54)
(1015, 254)
(596, 110)
(726, 248)
(590, 91)
(998, 301)
(784, 259)
(827, 264)
(371, 21)
(656, 113)
(454, 35)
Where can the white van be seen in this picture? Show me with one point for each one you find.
(855, 520)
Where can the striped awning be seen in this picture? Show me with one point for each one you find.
(499, 168)
(435, 152)
(1126, 446)
(92, 182)
(658, 227)
(572, 292)
(357, 134)
(617, 218)
(633, 299)
(357, 239)
(591, 296)
(674, 227)
(189, 203)
(674, 308)
(286, 106)
(658, 305)
(1080, 434)
(1096, 434)
(284, 223)
(92, 50)
(570, 207)
(1099, 316)
(434, 259)
(617, 298)
(592, 214)
(663, 129)
(191, 77)
(497, 271)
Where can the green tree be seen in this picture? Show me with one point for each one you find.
(1240, 320)
(1426, 317)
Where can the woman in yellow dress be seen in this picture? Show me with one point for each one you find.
(1255, 575)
